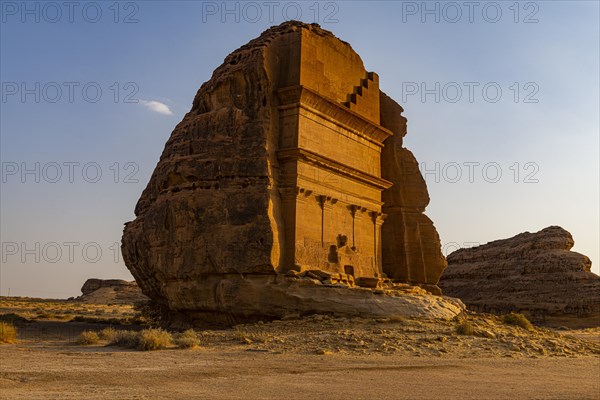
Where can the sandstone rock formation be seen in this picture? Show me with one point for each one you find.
(533, 273)
(283, 164)
(105, 291)
(411, 244)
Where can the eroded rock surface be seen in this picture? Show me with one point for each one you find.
(283, 164)
(411, 244)
(105, 291)
(535, 273)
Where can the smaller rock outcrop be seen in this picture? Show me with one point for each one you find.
(533, 273)
(116, 291)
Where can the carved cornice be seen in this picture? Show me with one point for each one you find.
(300, 96)
(334, 166)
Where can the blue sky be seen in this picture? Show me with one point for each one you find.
(60, 222)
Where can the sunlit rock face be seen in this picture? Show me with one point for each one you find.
(110, 291)
(289, 161)
(534, 273)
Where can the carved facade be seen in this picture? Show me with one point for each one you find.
(331, 183)
(334, 171)
(291, 158)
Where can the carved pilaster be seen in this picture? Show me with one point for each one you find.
(356, 212)
(326, 203)
(377, 219)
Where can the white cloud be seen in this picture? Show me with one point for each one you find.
(157, 106)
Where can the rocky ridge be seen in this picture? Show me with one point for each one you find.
(110, 291)
(534, 273)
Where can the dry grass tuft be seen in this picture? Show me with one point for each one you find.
(187, 340)
(518, 319)
(8, 333)
(109, 334)
(125, 338)
(247, 335)
(154, 339)
(88, 338)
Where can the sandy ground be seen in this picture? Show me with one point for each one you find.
(314, 357)
(68, 372)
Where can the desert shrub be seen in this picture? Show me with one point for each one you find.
(465, 328)
(125, 339)
(88, 337)
(108, 334)
(187, 339)
(517, 319)
(154, 339)
(8, 333)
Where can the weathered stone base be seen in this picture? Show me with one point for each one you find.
(252, 298)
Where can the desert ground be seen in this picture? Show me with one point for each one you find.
(314, 357)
